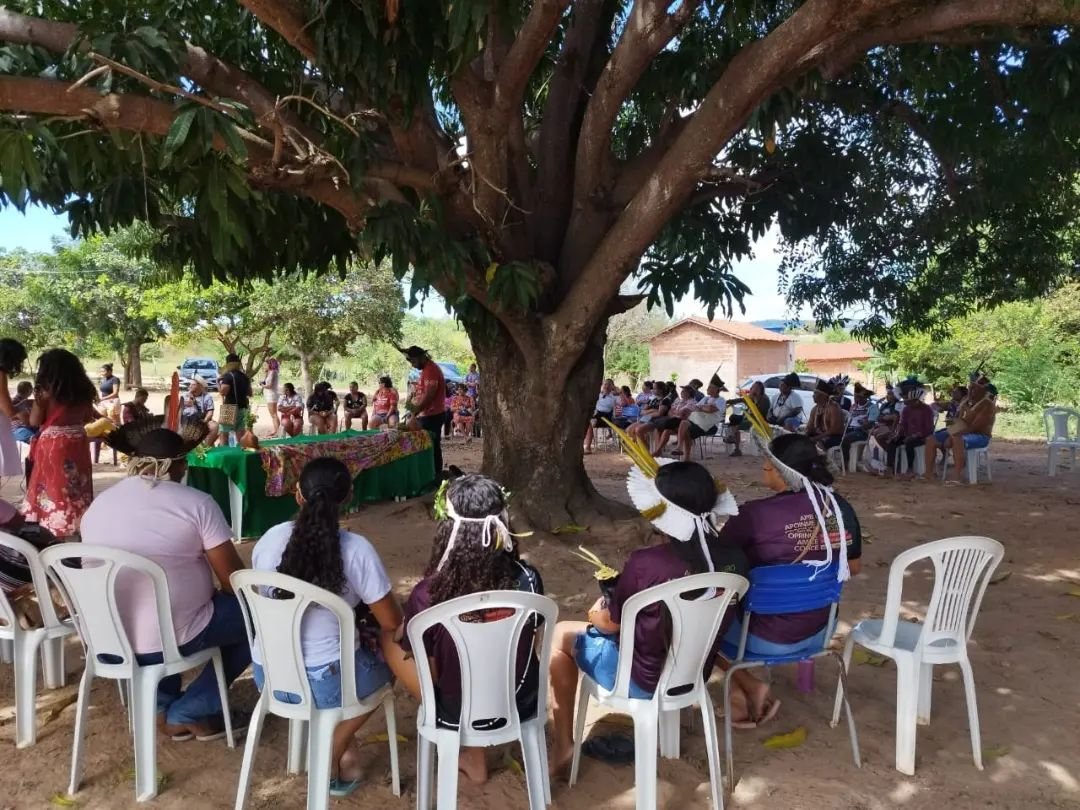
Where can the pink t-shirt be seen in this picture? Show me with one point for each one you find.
(173, 525)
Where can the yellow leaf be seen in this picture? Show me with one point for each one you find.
(863, 657)
(489, 274)
(1073, 592)
(1065, 616)
(570, 528)
(793, 739)
(60, 800)
(995, 751)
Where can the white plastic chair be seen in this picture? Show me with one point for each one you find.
(962, 570)
(23, 645)
(1062, 435)
(90, 595)
(695, 626)
(487, 652)
(978, 461)
(270, 613)
(901, 461)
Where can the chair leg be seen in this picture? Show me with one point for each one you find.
(391, 734)
(907, 697)
(1051, 459)
(449, 753)
(973, 712)
(669, 734)
(841, 684)
(7, 651)
(254, 732)
(297, 747)
(320, 760)
(712, 750)
(223, 691)
(729, 751)
(425, 772)
(926, 688)
(531, 743)
(26, 648)
(852, 733)
(581, 709)
(52, 662)
(79, 743)
(646, 733)
(144, 726)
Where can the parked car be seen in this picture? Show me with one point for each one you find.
(805, 394)
(204, 367)
(450, 371)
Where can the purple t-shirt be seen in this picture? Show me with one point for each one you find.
(440, 647)
(646, 568)
(916, 420)
(776, 530)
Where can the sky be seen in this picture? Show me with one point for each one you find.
(36, 230)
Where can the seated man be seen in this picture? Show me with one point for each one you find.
(322, 408)
(864, 414)
(136, 409)
(706, 420)
(355, 407)
(826, 423)
(197, 406)
(183, 530)
(23, 403)
(970, 430)
(786, 411)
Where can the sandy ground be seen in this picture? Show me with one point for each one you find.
(1024, 652)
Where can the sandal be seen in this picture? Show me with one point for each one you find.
(240, 721)
(339, 788)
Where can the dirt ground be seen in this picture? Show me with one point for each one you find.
(1024, 651)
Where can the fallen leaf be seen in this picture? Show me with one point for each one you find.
(570, 528)
(1047, 634)
(992, 752)
(1064, 617)
(60, 800)
(1073, 592)
(1000, 577)
(382, 738)
(162, 779)
(793, 739)
(864, 657)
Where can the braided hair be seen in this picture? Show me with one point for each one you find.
(471, 567)
(313, 553)
(62, 374)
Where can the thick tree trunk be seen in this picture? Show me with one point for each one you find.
(532, 442)
(305, 373)
(132, 362)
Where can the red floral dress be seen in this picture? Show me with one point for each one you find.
(61, 484)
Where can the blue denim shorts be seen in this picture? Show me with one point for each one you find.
(325, 680)
(972, 441)
(597, 655)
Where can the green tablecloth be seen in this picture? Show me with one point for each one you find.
(405, 478)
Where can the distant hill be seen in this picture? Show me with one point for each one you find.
(779, 325)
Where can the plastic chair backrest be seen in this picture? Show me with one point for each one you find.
(90, 594)
(788, 588)
(962, 570)
(40, 580)
(487, 652)
(1057, 421)
(273, 605)
(695, 625)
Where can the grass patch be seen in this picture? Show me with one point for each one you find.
(1011, 425)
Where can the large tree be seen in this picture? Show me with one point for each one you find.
(525, 158)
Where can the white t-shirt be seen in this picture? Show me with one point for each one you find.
(707, 420)
(365, 581)
(606, 403)
(173, 525)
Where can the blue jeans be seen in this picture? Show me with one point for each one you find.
(597, 655)
(201, 699)
(325, 680)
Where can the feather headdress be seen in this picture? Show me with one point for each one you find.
(130, 439)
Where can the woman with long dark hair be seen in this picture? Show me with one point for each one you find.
(12, 357)
(60, 487)
(684, 502)
(474, 551)
(316, 549)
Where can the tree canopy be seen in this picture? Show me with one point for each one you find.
(527, 158)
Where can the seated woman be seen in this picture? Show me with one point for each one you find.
(826, 423)
(656, 408)
(916, 425)
(692, 501)
(384, 406)
(14, 414)
(625, 408)
(356, 407)
(604, 409)
(291, 410)
(136, 409)
(679, 412)
(863, 414)
(740, 421)
(317, 550)
(474, 551)
(970, 430)
(705, 420)
(462, 407)
(322, 408)
(788, 527)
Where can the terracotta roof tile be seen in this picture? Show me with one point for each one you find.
(740, 330)
(833, 351)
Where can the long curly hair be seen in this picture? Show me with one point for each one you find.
(471, 567)
(62, 374)
(313, 553)
(12, 356)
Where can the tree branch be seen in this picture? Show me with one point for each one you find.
(903, 111)
(288, 19)
(524, 54)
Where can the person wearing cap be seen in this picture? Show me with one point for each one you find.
(686, 504)
(786, 411)
(706, 420)
(826, 423)
(863, 415)
(183, 530)
(474, 551)
(234, 387)
(970, 430)
(428, 403)
(916, 425)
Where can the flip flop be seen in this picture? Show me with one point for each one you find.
(339, 789)
(240, 722)
(771, 710)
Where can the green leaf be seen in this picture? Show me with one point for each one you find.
(231, 135)
(178, 133)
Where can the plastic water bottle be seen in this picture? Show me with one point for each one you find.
(232, 438)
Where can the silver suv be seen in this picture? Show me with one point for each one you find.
(203, 367)
(805, 394)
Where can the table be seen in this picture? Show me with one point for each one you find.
(237, 478)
